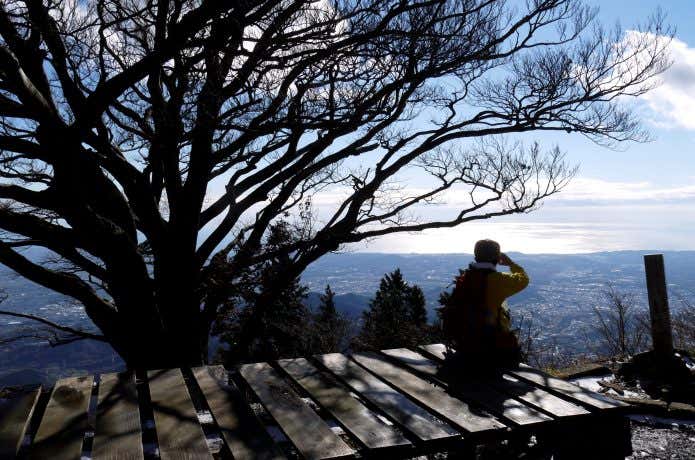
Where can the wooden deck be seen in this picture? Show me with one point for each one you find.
(392, 404)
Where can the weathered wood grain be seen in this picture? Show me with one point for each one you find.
(558, 386)
(472, 390)
(118, 435)
(496, 392)
(565, 388)
(433, 397)
(307, 431)
(15, 414)
(398, 407)
(61, 432)
(436, 349)
(241, 430)
(537, 397)
(179, 433)
(331, 395)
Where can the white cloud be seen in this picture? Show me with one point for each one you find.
(585, 233)
(590, 215)
(673, 100)
(580, 191)
(602, 191)
(527, 237)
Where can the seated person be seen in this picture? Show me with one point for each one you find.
(475, 318)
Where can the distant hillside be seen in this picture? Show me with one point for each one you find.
(349, 304)
(560, 300)
(360, 272)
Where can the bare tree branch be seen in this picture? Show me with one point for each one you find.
(140, 141)
(70, 330)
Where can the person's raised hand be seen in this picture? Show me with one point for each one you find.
(504, 259)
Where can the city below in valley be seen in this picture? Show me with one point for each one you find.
(560, 301)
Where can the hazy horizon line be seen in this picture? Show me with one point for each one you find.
(645, 251)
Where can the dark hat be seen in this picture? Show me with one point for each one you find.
(487, 251)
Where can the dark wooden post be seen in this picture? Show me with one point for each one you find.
(662, 339)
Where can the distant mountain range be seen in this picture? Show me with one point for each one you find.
(552, 275)
(560, 300)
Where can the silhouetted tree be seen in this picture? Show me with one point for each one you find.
(142, 144)
(396, 316)
(437, 333)
(683, 321)
(543, 353)
(623, 331)
(254, 326)
(329, 328)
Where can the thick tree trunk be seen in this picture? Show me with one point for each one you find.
(177, 301)
(184, 330)
(161, 323)
(177, 341)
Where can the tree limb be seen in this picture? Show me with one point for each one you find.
(73, 331)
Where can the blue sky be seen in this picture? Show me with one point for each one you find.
(641, 196)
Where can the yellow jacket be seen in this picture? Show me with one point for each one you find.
(500, 286)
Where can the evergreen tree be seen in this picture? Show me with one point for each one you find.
(330, 327)
(436, 333)
(417, 312)
(396, 317)
(265, 317)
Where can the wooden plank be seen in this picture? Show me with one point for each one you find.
(435, 398)
(560, 387)
(118, 434)
(354, 416)
(565, 388)
(500, 404)
(436, 349)
(64, 422)
(416, 361)
(501, 384)
(307, 431)
(398, 407)
(179, 433)
(241, 430)
(537, 397)
(472, 390)
(15, 414)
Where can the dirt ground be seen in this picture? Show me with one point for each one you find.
(663, 441)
